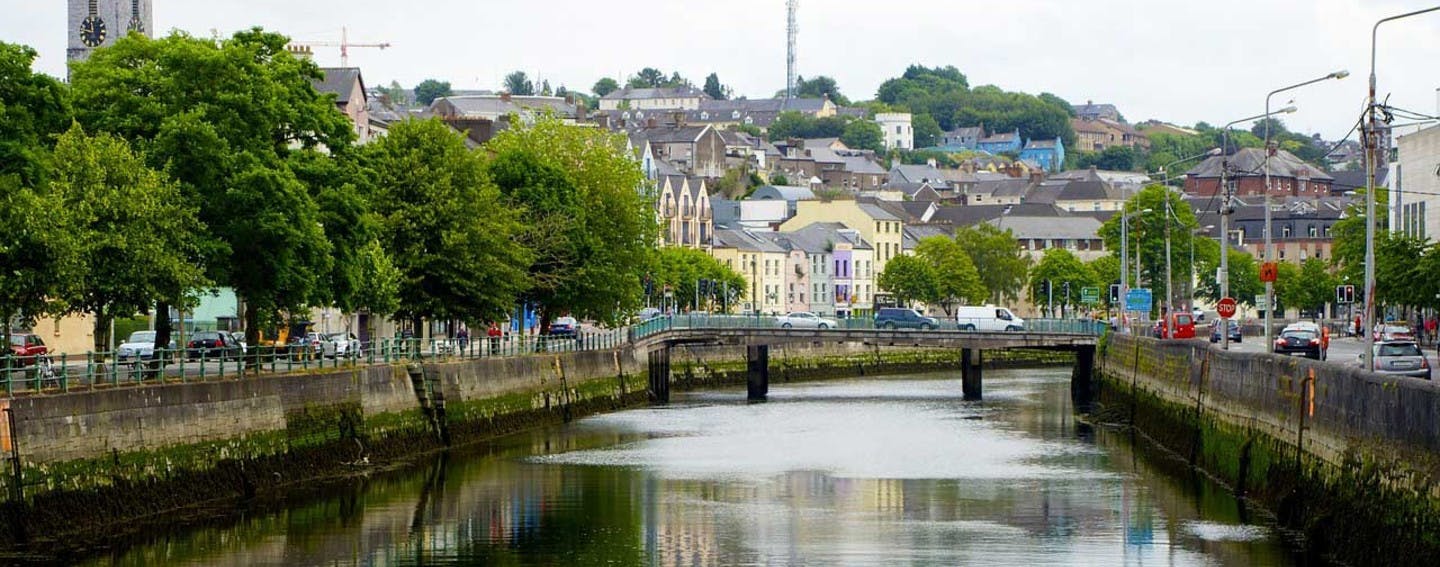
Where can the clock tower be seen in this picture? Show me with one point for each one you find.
(98, 23)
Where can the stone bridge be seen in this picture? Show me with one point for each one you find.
(1077, 338)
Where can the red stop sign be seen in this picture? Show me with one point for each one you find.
(1226, 307)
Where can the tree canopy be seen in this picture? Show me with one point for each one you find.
(909, 279)
(957, 282)
(33, 108)
(681, 269)
(651, 77)
(605, 86)
(1059, 266)
(714, 89)
(430, 89)
(944, 94)
(997, 256)
(519, 84)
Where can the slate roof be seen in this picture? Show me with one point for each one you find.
(1250, 161)
(970, 215)
(495, 105)
(1001, 137)
(670, 134)
(339, 81)
(877, 212)
(783, 193)
(1071, 227)
(1352, 180)
(1092, 110)
(744, 239)
(828, 232)
(629, 93)
(919, 173)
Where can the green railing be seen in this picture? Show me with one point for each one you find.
(66, 373)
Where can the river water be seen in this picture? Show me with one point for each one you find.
(879, 471)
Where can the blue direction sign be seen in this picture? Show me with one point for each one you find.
(1138, 300)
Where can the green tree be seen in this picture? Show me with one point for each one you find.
(519, 84)
(605, 86)
(137, 234)
(648, 77)
(395, 94)
(1147, 235)
(1059, 267)
(957, 282)
(714, 89)
(820, 87)
(33, 108)
(779, 179)
(927, 130)
(997, 256)
(339, 186)
(864, 135)
(430, 89)
(446, 226)
(224, 119)
(682, 269)
(1114, 158)
(1106, 270)
(581, 186)
(1058, 102)
(1244, 280)
(40, 250)
(909, 279)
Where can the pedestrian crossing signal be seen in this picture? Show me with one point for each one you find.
(1344, 294)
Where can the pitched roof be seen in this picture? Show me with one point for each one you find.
(1075, 227)
(1250, 161)
(670, 134)
(495, 105)
(877, 212)
(783, 193)
(340, 81)
(629, 93)
(744, 239)
(1001, 137)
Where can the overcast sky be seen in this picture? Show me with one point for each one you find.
(1196, 60)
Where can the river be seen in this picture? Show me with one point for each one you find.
(877, 471)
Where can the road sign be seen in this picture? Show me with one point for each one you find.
(1138, 300)
(1226, 307)
(1090, 295)
(1260, 303)
(1269, 272)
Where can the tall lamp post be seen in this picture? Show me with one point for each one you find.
(1224, 274)
(1371, 143)
(1170, 213)
(1269, 243)
(1124, 254)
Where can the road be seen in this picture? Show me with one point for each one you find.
(1343, 350)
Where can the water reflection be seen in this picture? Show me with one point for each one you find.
(879, 471)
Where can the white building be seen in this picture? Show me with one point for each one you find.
(899, 134)
(1417, 178)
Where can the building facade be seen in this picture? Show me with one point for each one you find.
(93, 24)
(899, 133)
(1417, 202)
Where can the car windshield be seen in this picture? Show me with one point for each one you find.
(142, 337)
(337, 336)
(1302, 335)
(1394, 329)
(1397, 349)
(206, 336)
(565, 321)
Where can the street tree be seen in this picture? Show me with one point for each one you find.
(137, 235)
(1244, 280)
(1146, 234)
(1059, 266)
(605, 86)
(909, 279)
(957, 282)
(1106, 270)
(339, 186)
(40, 251)
(430, 89)
(223, 119)
(997, 256)
(863, 135)
(33, 108)
(445, 225)
(682, 271)
(592, 228)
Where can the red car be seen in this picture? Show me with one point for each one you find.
(28, 348)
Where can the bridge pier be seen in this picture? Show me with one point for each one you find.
(757, 372)
(970, 374)
(1082, 378)
(660, 375)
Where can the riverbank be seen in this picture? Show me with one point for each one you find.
(92, 463)
(1347, 458)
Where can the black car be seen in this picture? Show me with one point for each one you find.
(211, 345)
(897, 318)
(1234, 334)
(1299, 341)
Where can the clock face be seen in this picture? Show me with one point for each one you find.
(92, 31)
(137, 25)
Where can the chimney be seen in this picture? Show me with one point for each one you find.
(650, 122)
(1037, 175)
(302, 52)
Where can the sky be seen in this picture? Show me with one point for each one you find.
(1182, 62)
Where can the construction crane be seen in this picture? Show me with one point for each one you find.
(344, 45)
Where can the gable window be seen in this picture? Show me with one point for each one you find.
(735, 114)
(1311, 231)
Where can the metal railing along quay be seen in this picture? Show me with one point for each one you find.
(68, 373)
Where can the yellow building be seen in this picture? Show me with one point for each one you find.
(761, 262)
(882, 229)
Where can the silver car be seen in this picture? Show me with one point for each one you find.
(341, 345)
(1402, 358)
(805, 320)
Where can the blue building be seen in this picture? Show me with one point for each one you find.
(1050, 154)
(1001, 143)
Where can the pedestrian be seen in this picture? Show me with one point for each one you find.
(464, 336)
(494, 334)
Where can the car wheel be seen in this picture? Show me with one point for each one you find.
(926, 327)
(823, 326)
(786, 326)
(890, 326)
(1012, 329)
(967, 327)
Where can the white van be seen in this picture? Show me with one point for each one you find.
(987, 318)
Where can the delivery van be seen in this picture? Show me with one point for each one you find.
(987, 318)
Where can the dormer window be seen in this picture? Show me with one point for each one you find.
(626, 116)
(735, 115)
(749, 120)
(704, 115)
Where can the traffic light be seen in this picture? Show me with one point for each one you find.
(1066, 287)
(1044, 288)
(1115, 294)
(1344, 294)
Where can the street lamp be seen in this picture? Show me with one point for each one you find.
(1370, 147)
(1170, 213)
(1124, 252)
(1269, 244)
(1224, 274)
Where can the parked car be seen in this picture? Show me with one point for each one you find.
(308, 345)
(805, 320)
(564, 327)
(648, 313)
(211, 345)
(140, 346)
(1299, 341)
(341, 345)
(898, 318)
(987, 318)
(1234, 334)
(28, 349)
(237, 339)
(1401, 358)
(1197, 313)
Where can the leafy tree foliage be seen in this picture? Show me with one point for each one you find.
(945, 95)
(1114, 158)
(1059, 267)
(519, 84)
(224, 120)
(450, 232)
(863, 135)
(927, 130)
(40, 251)
(820, 87)
(430, 89)
(1058, 102)
(682, 269)
(33, 107)
(997, 256)
(716, 90)
(580, 186)
(1147, 234)
(651, 77)
(909, 279)
(792, 124)
(137, 234)
(1308, 287)
(605, 86)
(1244, 280)
(957, 282)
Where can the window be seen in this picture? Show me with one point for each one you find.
(1285, 231)
(735, 114)
(898, 130)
